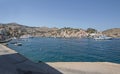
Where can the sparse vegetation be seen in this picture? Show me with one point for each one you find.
(91, 30)
(115, 32)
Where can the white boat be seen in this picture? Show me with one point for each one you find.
(103, 38)
(18, 44)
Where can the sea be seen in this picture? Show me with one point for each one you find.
(68, 49)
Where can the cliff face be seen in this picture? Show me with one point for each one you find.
(65, 32)
(115, 32)
(18, 30)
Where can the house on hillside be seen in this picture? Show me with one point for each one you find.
(2, 33)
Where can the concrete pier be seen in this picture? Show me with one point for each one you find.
(11, 62)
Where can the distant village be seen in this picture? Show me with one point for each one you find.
(3, 34)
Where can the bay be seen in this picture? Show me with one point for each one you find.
(69, 50)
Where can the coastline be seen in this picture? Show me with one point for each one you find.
(14, 63)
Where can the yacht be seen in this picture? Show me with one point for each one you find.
(102, 38)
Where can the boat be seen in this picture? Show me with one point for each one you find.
(5, 41)
(103, 38)
(18, 44)
(15, 42)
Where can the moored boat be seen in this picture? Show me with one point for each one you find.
(18, 44)
(6, 40)
(103, 38)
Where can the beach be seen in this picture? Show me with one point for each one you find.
(11, 62)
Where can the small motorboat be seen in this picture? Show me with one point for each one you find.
(18, 44)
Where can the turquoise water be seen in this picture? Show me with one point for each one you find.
(69, 50)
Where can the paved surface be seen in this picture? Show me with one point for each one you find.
(86, 67)
(12, 62)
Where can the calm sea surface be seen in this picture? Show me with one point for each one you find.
(69, 50)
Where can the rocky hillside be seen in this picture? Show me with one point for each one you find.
(17, 30)
(64, 32)
(115, 32)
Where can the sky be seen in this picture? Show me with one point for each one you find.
(98, 14)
